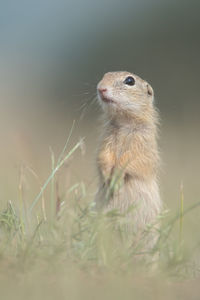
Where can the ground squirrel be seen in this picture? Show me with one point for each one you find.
(128, 147)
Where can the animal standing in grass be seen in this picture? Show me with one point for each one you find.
(128, 158)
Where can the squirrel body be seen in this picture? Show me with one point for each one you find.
(128, 156)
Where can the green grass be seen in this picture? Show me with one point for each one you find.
(60, 246)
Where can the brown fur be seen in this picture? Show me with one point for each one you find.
(129, 146)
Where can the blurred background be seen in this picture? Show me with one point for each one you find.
(52, 55)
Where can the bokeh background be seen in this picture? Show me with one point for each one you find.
(53, 53)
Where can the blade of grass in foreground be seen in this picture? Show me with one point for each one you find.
(66, 144)
(170, 225)
(52, 183)
(181, 215)
(58, 166)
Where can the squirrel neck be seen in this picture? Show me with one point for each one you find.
(132, 122)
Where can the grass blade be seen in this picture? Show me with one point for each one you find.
(55, 170)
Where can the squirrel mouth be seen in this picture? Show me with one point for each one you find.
(106, 99)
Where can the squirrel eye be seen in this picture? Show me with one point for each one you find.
(129, 80)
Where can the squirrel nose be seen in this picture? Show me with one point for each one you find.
(102, 90)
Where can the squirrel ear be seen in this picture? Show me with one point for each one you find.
(149, 90)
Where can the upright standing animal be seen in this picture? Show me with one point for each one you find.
(128, 158)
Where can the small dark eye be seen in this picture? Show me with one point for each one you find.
(129, 80)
